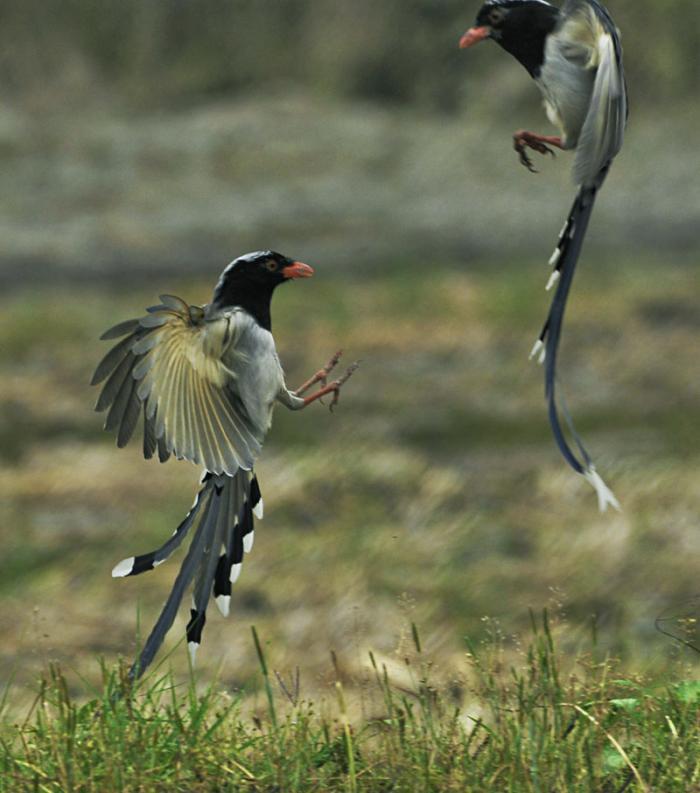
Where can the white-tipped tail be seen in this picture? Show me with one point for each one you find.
(606, 497)
(538, 351)
(235, 572)
(124, 568)
(258, 510)
(192, 648)
(554, 258)
(248, 541)
(223, 603)
(553, 278)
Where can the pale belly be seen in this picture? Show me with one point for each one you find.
(566, 88)
(258, 374)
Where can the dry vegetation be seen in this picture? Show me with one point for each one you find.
(539, 727)
(434, 492)
(140, 149)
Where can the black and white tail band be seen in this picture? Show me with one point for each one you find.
(223, 512)
(546, 347)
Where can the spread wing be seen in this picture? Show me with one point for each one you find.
(170, 364)
(588, 26)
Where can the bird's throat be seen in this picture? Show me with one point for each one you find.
(524, 37)
(253, 298)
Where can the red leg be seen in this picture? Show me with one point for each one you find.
(320, 376)
(524, 139)
(332, 388)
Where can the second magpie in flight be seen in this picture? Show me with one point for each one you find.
(575, 57)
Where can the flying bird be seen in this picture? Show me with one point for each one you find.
(575, 57)
(206, 379)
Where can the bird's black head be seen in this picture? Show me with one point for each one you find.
(250, 280)
(519, 26)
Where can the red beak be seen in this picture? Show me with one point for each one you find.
(474, 36)
(297, 270)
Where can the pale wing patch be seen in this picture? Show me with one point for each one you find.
(603, 130)
(171, 364)
(183, 383)
(588, 38)
(568, 73)
(580, 32)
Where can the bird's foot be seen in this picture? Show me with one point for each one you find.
(337, 384)
(523, 140)
(321, 376)
(333, 388)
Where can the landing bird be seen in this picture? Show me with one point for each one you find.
(575, 57)
(206, 379)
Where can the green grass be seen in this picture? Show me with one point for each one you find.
(542, 724)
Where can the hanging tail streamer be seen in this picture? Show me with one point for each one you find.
(223, 512)
(564, 260)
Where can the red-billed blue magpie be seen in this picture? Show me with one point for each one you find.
(205, 379)
(575, 57)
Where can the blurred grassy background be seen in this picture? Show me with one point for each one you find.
(144, 144)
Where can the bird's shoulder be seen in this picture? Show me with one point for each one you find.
(233, 333)
(584, 29)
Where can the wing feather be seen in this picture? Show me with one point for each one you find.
(110, 362)
(209, 417)
(120, 330)
(150, 442)
(603, 130)
(187, 421)
(172, 367)
(116, 412)
(590, 31)
(175, 303)
(114, 383)
(163, 453)
(130, 417)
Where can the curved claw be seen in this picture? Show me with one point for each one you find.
(523, 140)
(337, 384)
(321, 375)
(327, 369)
(526, 161)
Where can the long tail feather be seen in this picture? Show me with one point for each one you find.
(223, 510)
(564, 260)
(570, 249)
(135, 565)
(169, 612)
(216, 532)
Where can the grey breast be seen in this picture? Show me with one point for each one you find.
(567, 86)
(257, 374)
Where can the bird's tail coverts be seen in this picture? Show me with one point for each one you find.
(564, 261)
(223, 513)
